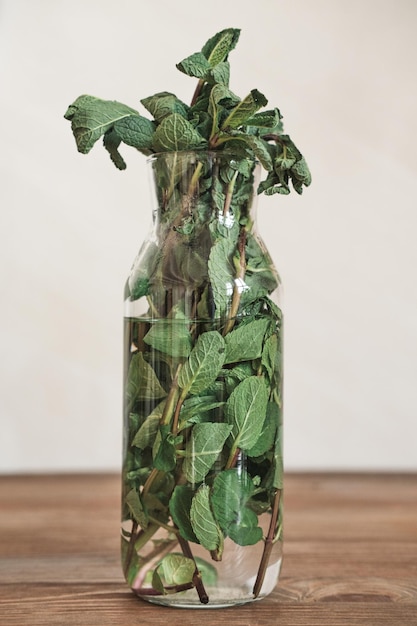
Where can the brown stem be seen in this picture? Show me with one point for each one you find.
(197, 580)
(273, 137)
(197, 91)
(229, 194)
(174, 428)
(232, 460)
(148, 484)
(269, 542)
(150, 591)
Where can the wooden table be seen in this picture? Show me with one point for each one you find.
(350, 555)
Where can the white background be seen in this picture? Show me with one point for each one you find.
(343, 73)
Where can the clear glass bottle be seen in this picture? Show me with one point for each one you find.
(202, 470)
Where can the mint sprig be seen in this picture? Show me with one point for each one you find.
(217, 119)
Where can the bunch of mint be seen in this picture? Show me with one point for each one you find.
(216, 119)
(203, 366)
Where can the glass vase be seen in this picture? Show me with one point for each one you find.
(202, 478)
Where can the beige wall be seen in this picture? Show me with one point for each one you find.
(343, 73)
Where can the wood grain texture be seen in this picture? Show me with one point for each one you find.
(350, 555)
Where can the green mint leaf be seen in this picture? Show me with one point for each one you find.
(245, 410)
(269, 429)
(261, 276)
(219, 74)
(203, 522)
(136, 131)
(300, 175)
(232, 489)
(111, 141)
(136, 508)
(246, 532)
(91, 117)
(203, 365)
(139, 281)
(147, 432)
(203, 448)
(246, 341)
(172, 337)
(192, 267)
(274, 184)
(166, 454)
(269, 355)
(162, 104)
(174, 569)
(244, 110)
(217, 48)
(221, 273)
(195, 65)
(265, 119)
(180, 506)
(258, 146)
(197, 409)
(175, 133)
(142, 382)
(238, 373)
(220, 98)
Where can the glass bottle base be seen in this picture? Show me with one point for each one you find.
(221, 597)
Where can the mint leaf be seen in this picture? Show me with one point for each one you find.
(221, 273)
(91, 117)
(219, 74)
(198, 409)
(246, 341)
(136, 131)
(111, 142)
(165, 458)
(135, 506)
(176, 133)
(244, 110)
(180, 506)
(142, 382)
(171, 337)
(174, 569)
(203, 522)
(300, 175)
(217, 48)
(162, 104)
(255, 144)
(195, 65)
(269, 430)
(269, 355)
(146, 434)
(232, 489)
(265, 119)
(203, 365)
(203, 448)
(220, 98)
(245, 410)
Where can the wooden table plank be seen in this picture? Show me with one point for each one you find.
(350, 555)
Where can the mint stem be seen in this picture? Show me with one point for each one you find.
(269, 542)
(197, 580)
